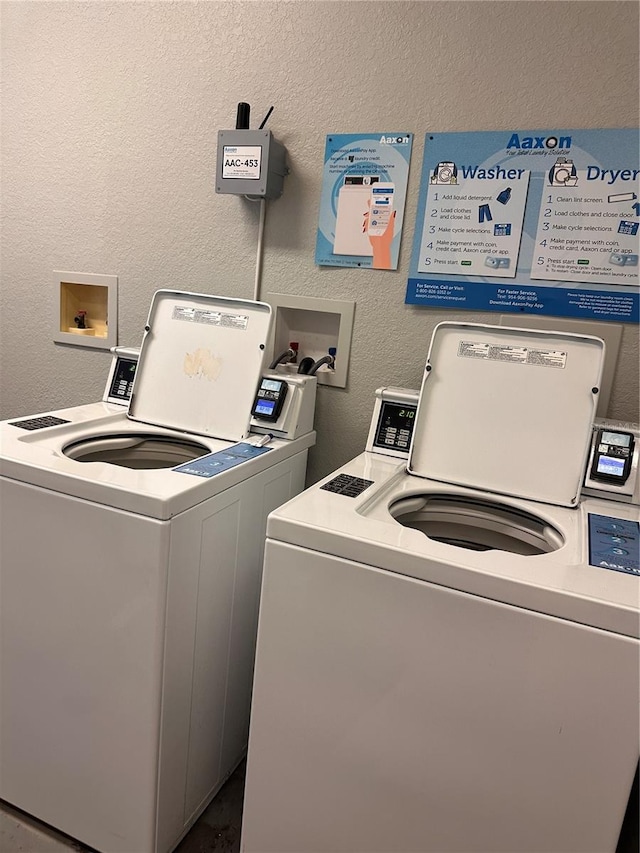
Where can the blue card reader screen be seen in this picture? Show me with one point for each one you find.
(611, 465)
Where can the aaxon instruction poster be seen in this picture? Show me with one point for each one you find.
(536, 221)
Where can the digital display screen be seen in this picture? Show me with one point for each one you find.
(395, 426)
(271, 384)
(620, 439)
(265, 407)
(610, 465)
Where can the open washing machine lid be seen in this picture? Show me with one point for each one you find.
(508, 411)
(200, 363)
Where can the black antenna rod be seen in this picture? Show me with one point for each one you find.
(266, 118)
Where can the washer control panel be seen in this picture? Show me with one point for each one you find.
(394, 416)
(121, 375)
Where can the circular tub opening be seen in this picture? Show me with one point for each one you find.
(138, 451)
(477, 525)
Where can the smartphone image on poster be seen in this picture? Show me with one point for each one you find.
(380, 208)
(353, 200)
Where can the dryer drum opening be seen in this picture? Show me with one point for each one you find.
(137, 451)
(477, 525)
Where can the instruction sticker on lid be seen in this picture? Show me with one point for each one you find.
(513, 354)
(211, 318)
(215, 463)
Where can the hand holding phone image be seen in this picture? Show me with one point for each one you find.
(379, 224)
(380, 208)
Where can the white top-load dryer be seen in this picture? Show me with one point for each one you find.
(131, 554)
(448, 654)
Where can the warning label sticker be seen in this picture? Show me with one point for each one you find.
(513, 354)
(211, 318)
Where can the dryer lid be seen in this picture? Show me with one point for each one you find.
(507, 411)
(200, 363)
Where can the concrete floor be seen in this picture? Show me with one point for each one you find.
(216, 831)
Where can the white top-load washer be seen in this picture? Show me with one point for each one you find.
(131, 554)
(448, 655)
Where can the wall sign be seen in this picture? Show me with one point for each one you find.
(363, 196)
(535, 221)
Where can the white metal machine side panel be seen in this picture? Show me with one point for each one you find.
(126, 652)
(381, 721)
(200, 363)
(211, 626)
(81, 627)
(507, 411)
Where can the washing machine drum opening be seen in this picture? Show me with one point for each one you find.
(138, 451)
(477, 525)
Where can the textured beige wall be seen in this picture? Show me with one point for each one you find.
(110, 113)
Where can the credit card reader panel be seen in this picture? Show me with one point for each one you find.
(287, 413)
(612, 456)
(613, 469)
(269, 399)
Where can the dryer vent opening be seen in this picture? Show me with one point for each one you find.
(141, 451)
(477, 525)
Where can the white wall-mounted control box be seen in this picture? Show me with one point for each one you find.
(250, 162)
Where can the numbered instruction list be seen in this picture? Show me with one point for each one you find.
(474, 227)
(589, 231)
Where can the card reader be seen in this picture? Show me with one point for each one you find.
(269, 399)
(612, 456)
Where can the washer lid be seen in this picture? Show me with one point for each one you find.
(200, 363)
(507, 410)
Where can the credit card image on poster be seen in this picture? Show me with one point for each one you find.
(380, 208)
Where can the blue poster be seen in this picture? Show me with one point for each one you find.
(530, 221)
(364, 187)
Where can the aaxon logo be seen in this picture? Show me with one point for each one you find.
(394, 140)
(528, 142)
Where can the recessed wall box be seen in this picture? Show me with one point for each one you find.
(250, 162)
(86, 309)
(318, 325)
